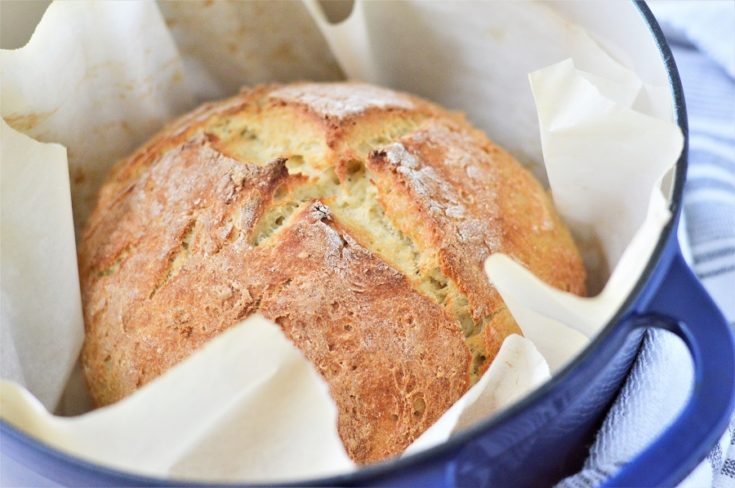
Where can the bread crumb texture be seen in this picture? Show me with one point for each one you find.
(355, 217)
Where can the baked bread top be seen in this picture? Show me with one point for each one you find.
(355, 217)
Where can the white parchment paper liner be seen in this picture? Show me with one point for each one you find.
(101, 77)
(239, 404)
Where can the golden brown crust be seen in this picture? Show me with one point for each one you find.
(394, 360)
(356, 218)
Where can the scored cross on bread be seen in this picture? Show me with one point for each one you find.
(355, 217)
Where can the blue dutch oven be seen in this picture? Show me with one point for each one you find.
(546, 436)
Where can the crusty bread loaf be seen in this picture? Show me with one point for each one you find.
(355, 217)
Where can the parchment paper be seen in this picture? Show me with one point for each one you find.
(40, 302)
(101, 77)
(225, 413)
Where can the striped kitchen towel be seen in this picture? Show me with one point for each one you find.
(702, 38)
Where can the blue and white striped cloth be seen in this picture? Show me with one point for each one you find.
(702, 37)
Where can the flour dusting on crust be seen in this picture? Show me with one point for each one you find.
(340, 100)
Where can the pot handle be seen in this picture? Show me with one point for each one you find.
(682, 306)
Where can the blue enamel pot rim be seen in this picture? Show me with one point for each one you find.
(486, 427)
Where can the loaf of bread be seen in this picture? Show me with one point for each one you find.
(355, 217)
